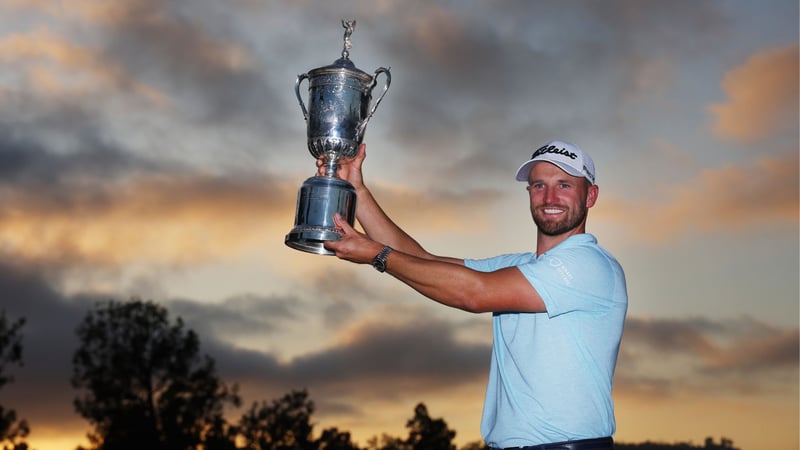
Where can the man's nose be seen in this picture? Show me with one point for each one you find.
(549, 195)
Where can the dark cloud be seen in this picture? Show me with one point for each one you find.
(238, 316)
(704, 355)
(203, 64)
(41, 390)
(425, 351)
(27, 160)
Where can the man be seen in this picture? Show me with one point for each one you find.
(558, 312)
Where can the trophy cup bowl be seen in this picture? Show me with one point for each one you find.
(339, 99)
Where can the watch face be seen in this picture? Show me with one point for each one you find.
(379, 263)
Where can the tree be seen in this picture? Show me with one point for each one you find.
(475, 445)
(12, 431)
(283, 425)
(333, 439)
(425, 433)
(386, 442)
(144, 383)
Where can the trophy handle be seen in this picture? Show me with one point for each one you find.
(300, 78)
(363, 125)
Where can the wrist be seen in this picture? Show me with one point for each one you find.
(379, 262)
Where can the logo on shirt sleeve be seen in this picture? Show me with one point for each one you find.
(562, 270)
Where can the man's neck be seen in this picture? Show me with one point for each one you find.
(545, 243)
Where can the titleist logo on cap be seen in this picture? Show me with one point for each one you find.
(553, 149)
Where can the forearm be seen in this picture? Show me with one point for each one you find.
(449, 283)
(379, 227)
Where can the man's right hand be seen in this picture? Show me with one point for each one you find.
(349, 170)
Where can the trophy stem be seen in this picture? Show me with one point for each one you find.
(331, 166)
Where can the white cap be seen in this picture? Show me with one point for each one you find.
(568, 157)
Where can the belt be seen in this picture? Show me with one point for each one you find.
(605, 443)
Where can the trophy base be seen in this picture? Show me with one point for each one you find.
(318, 200)
(311, 240)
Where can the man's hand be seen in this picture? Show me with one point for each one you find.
(349, 171)
(353, 246)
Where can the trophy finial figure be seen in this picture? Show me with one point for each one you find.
(349, 27)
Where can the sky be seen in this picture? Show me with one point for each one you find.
(153, 149)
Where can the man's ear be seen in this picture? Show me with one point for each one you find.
(591, 195)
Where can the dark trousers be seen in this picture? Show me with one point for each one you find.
(605, 443)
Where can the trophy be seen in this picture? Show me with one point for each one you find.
(339, 97)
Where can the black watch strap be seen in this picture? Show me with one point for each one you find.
(379, 263)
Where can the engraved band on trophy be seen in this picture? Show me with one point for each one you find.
(339, 97)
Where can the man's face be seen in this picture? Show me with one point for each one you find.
(559, 201)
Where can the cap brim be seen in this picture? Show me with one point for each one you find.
(525, 169)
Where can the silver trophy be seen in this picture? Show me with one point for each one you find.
(339, 97)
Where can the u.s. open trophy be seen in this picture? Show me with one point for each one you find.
(339, 98)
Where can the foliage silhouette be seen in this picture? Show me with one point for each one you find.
(143, 382)
(725, 444)
(12, 431)
(333, 439)
(425, 433)
(285, 424)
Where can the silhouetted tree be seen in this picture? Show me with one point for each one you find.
(283, 425)
(12, 431)
(333, 439)
(725, 444)
(220, 435)
(386, 442)
(144, 383)
(425, 433)
(475, 445)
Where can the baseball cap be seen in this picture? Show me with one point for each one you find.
(568, 157)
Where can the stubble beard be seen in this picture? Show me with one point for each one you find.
(571, 220)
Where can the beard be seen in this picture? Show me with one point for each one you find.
(571, 220)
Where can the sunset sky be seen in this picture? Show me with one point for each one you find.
(154, 149)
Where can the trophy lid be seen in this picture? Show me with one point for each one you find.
(344, 64)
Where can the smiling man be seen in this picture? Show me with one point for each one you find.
(558, 312)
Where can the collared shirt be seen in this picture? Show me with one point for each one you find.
(551, 373)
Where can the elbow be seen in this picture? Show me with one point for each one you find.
(470, 305)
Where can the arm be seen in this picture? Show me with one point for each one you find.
(449, 284)
(376, 223)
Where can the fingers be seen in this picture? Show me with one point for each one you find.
(341, 223)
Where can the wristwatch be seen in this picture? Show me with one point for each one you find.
(379, 263)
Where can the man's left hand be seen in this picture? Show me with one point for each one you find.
(353, 246)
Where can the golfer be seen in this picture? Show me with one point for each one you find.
(558, 311)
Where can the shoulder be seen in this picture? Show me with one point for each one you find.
(581, 247)
(579, 261)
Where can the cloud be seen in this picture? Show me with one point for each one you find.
(149, 56)
(762, 97)
(669, 357)
(163, 219)
(103, 207)
(53, 67)
(731, 198)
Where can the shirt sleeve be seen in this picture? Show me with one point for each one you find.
(573, 279)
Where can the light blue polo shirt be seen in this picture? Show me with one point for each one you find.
(551, 373)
